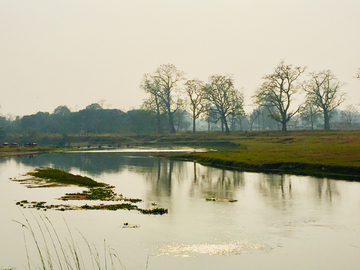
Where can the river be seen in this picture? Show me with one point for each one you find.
(275, 221)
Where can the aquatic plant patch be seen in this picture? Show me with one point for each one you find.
(102, 193)
(62, 177)
(112, 207)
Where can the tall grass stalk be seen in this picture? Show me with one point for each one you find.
(63, 253)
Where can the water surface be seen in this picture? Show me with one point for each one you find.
(278, 221)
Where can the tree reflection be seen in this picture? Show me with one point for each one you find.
(167, 177)
(215, 183)
(277, 187)
(325, 188)
(280, 188)
(204, 181)
(160, 177)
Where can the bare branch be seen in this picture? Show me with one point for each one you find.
(323, 92)
(277, 92)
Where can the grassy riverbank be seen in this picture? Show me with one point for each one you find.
(333, 154)
(321, 153)
(24, 150)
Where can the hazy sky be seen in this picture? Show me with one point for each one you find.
(77, 52)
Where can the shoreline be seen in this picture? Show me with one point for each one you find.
(333, 154)
(301, 169)
(25, 150)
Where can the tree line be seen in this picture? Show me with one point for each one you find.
(173, 102)
(218, 100)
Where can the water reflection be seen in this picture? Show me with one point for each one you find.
(216, 183)
(92, 163)
(326, 189)
(280, 215)
(162, 174)
(160, 177)
(204, 181)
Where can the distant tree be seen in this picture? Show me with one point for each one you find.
(163, 84)
(140, 121)
(3, 123)
(349, 115)
(62, 110)
(310, 114)
(180, 120)
(2, 133)
(101, 103)
(211, 116)
(267, 121)
(94, 106)
(98, 121)
(358, 74)
(197, 101)
(253, 117)
(277, 92)
(153, 105)
(236, 120)
(221, 93)
(323, 91)
(40, 121)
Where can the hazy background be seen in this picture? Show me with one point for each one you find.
(77, 52)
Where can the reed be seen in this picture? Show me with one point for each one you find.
(55, 252)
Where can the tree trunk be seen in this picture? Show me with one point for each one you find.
(326, 120)
(171, 123)
(158, 114)
(159, 123)
(284, 121)
(194, 124)
(227, 130)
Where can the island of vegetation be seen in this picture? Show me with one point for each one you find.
(96, 192)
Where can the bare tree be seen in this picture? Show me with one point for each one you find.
(211, 116)
(253, 117)
(349, 115)
(221, 93)
(277, 91)
(154, 105)
(323, 91)
(197, 102)
(163, 84)
(309, 113)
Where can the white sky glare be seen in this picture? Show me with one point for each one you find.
(77, 52)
